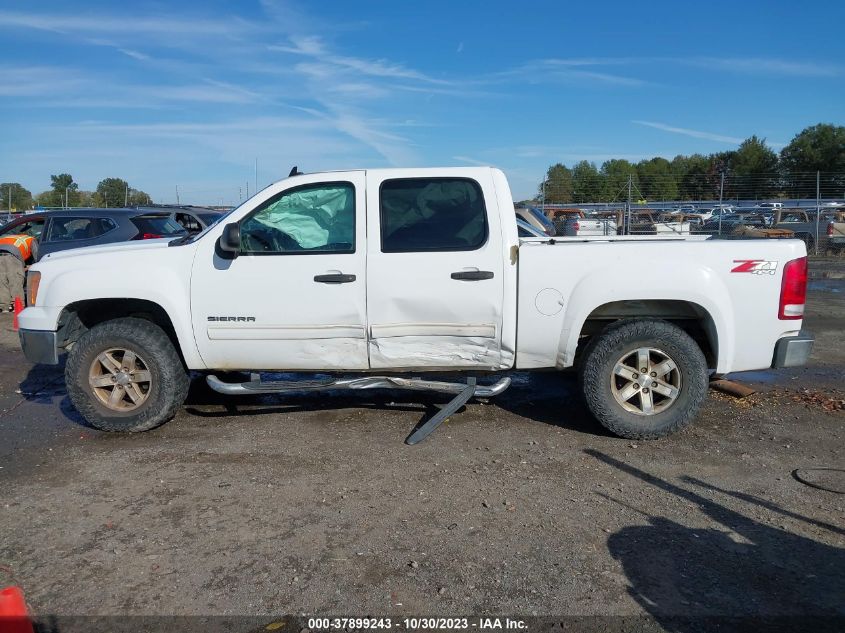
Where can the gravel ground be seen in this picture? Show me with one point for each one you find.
(522, 505)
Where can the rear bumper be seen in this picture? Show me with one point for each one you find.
(39, 346)
(793, 351)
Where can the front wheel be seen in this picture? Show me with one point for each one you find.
(644, 379)
(125, 375)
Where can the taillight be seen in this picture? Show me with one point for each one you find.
(577, 226)
(793, 290)
(830, 230)
(148, 236)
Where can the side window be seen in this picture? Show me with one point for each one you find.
(318, 218)
(65, 229)
(33, 229)
(432, 214)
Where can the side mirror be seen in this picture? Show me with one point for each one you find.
(230, 240)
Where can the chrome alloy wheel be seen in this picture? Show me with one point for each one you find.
(645, 381)
(120, 379)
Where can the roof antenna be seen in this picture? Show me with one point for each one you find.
(294, 172)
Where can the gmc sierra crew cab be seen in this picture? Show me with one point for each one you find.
(375, 278)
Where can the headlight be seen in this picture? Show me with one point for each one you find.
(33, 279)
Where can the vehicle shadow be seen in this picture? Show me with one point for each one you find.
(740, 575)
(546, 397)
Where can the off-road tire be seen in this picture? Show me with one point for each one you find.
(168, 389)
(597, 369)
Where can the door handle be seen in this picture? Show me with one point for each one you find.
(473, 275)
(334, 278)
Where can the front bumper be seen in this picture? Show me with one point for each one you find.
(793, 351)
(40, 346)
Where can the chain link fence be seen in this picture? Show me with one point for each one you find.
(809, 206)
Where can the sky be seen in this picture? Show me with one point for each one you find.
(190, 95)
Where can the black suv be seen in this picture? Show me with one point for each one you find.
(64, 229)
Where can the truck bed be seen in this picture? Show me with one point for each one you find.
(566, 284)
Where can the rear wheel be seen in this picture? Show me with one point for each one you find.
(644, 379)
(125, 375)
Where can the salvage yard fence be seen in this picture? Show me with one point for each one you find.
(772, 205)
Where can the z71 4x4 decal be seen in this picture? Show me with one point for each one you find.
(755, 266)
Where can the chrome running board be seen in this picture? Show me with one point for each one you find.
(257, 386)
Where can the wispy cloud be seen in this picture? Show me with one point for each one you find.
(710, 136)
(759, 65)
(134, 24)
(312, 46)
(733, 64)
(471, 161)
(546, 71)
(134, 54)
(33, 81)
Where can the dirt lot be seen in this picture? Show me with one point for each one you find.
(312, 504)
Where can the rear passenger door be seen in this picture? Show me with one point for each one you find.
(66, 232)
(435, 261)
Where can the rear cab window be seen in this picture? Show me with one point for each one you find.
(432, 214)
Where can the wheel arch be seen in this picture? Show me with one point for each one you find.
(80, 316)
(695, 297)
(691, 317)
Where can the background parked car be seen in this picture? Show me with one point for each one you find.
(34, 235)
(192, 219)
(524, 229)
(537, 219)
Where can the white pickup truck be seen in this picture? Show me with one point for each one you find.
(377, 277)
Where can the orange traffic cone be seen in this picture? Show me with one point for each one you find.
(14, 616)
(18, 310)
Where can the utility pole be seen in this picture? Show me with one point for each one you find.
(240, 194)
(126, 198)
(10, 199)
(628, 206)
(67, 198)
(247, 189)
(721, 192)
(177, 195)
(544, 197)
(256, 174)
(818, 209)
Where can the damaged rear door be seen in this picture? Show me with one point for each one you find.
(434, 271)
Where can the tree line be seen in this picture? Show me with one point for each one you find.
(64, 192)
(752, 171)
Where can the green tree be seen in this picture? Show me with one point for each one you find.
(15, 197)
(586, 182)
(111, 192)
(86, 199)
(816, 148)
(557, 187)
(692, 173)
(63, 192)
(139, 198)
(657, 180)
(614, 174)
(754, 166)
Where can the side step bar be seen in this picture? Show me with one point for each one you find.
(257, 386)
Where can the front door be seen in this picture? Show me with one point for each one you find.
(294, 298)
(435, 271)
